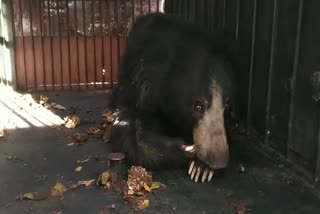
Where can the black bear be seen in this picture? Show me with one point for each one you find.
(174, 83)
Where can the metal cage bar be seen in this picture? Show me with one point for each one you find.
(60, 45)
(94, 43)
(271, 66)
(68, 39)
(110, 43)
(32, 44)
(254, 18)
(23, 48)
(294, 73)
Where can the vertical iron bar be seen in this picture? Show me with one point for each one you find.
(196, 8)
(77, 41)
(84, 3)
(141, 7)
(224, 14)
(238, 18)
(14, 83)
(102, 48)
(188, 8)
(42, 46)
(32, 42)
(253, 41)
(60, 46)
(23, 47)
(51, 47)
(69, 52)
(118, 30)
(133, 5)
(94, 43)
(157, 6)
(177, 7)
(294, 74)
(212, 16)
(317, 168)
(181, 8)
(271, 66)
(110, 41)
(173, 4)
(125, 20)
(149, 5)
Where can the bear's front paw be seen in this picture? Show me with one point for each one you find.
(199, 170)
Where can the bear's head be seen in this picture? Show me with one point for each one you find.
(197, 94)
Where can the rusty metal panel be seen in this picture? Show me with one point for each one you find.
(73, 44)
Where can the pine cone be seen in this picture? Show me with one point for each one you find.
(137, 177)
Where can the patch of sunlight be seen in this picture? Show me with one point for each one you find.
(22, 111)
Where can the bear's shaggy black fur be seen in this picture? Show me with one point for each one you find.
(168, 65)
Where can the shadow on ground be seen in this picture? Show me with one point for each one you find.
(34, 159)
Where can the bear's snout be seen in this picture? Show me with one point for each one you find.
(209, 136)
(212, 148)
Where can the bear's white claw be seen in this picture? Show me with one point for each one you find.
(191, 167)
(210, 175)
(204, 175)
(198, 174)
(193, 172)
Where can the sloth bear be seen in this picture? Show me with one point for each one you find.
(174, 83)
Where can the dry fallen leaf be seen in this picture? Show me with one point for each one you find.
(58, 189)
(70, 144)
(108, 115)
(80, 137)
(94, 130)
(103, 178)
(78, 169)
(43, 99)
(71, 121)
(229, 194)
(58, 106)
(14, 158)
(28, 195)
(144, 204)
(35, 196)
(85, 183)
(146, 187)
(155, 185)
(83, 161)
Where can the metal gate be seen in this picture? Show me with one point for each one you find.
(279, 66)
(72, 44)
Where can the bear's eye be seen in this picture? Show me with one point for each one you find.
(198, 106)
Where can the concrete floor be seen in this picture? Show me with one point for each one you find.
(43, 158)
